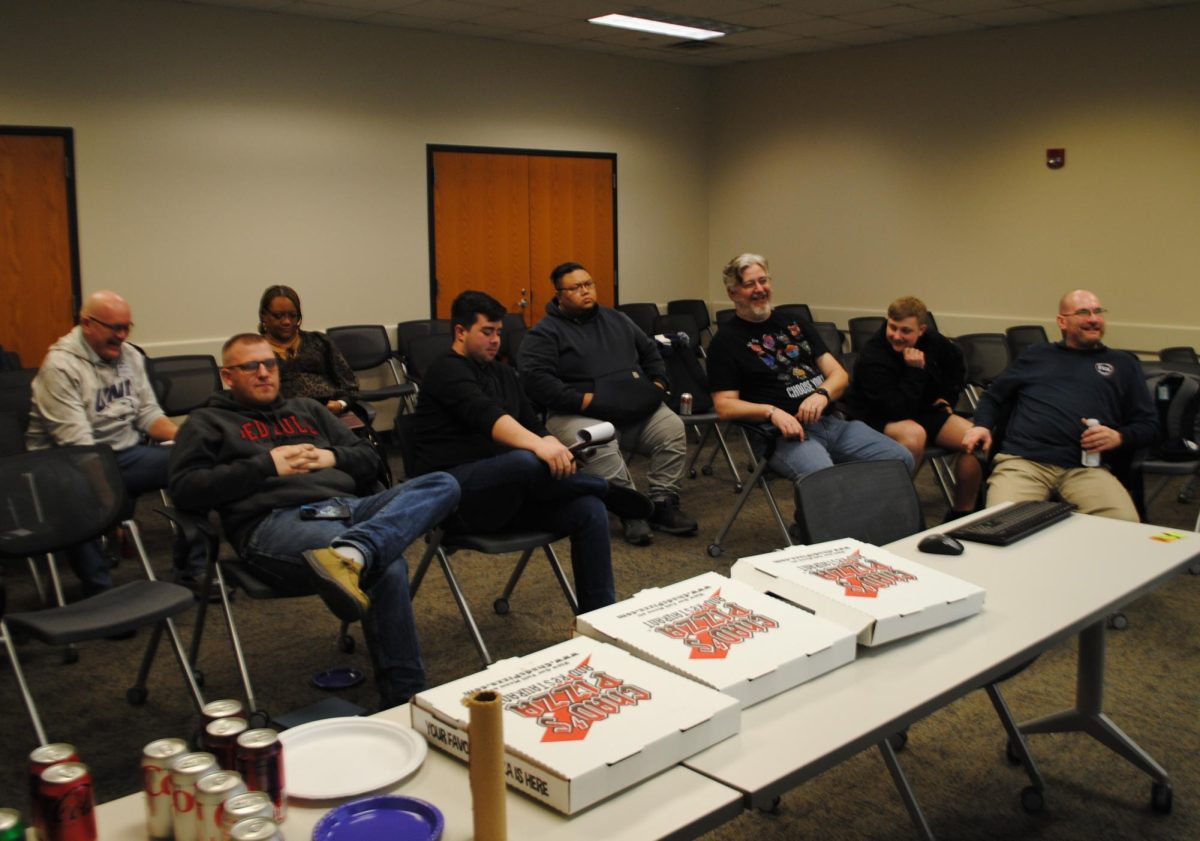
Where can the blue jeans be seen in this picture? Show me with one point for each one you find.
(381, 527)
(143, 468)
(832, 441)
(516, 491)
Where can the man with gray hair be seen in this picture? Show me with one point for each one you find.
(768, 368)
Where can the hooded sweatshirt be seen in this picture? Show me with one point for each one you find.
(81, 399)
(222, 459)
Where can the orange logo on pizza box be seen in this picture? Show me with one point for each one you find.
(582, 699)
(863, 578)
(715, 626)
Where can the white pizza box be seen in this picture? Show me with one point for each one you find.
(875, 593)
(582, 720)
(725, 634)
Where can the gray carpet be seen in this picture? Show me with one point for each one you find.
(955, 758)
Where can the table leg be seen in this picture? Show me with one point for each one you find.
(906, 792)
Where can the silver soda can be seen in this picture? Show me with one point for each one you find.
(224, 708)
(255, 829)
(212, 791)
(186, 769)
(156, 783)
(240, 807)
(685, 403)
(220, 737)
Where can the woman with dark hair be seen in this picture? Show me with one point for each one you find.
(309, 364)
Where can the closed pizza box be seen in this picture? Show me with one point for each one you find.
(725, 634)
(877, 594)
(582, 720)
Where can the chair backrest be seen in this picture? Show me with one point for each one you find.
(1177, 399)
(986, 355)
(407, 330)
(863, 328)
(794, 311)
(423, 351)
(669, 324)
(54, 498)
(724, 316)
(931, 321)
(183, 383)
(365, 346)
(1179, 354)
(10, 360)
(1023, 336)
(643, 315)
(687, 377)
(872, 501)
(694, 307)
(16, 393)
(402, 437)
(510, 345)
(831, 336)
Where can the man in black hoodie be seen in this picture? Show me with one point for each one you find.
(584, 363)
(286, 477)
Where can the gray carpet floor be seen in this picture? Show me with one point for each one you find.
(954, 758)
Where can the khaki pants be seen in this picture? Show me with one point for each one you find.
(1093, 490)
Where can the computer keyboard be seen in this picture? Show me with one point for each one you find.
(1014, 523)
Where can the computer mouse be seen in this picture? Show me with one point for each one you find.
(940, 544)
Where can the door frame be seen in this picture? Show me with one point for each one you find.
(68, 138)
(432, 148)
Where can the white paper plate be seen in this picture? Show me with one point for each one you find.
(343, 757)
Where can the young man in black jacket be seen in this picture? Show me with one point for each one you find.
(474, 422)
(287, 478)
(585, 362)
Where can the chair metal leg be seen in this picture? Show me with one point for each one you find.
(517, 572)
(905, 789)
(435, 543)
(715, 548)
(38, 729)
(38, 584)
(556, 568)
(944, 474)
(70, 652)
(463, 608)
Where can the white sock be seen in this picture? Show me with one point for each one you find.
(352, 553)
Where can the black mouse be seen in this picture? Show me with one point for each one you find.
(940, 544)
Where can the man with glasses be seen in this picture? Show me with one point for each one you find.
(585, 363)
(92, 388)
(288, 481)
(1066, 401)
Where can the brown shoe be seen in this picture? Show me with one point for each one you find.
(338, 583)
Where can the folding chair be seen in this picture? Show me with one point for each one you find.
(760, 477)
(55, 498)
(366, 348)
(183, 384)
(642, 315)
(832, 337)
(1184, 354)
(443, 543)
(794, 311)
(862, 329)
(1023, 336)
(876, 502)
(986, 355)
(422, 352)
(1175, 394)
(697, 309)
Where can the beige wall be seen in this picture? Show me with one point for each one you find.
(220, 151)
(918, 168)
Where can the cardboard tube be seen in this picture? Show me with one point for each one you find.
(486, 766)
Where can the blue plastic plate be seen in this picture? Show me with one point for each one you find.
(388, 817)
(339, 677)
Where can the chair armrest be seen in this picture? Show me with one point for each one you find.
(768, 433)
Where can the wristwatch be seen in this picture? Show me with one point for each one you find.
(824, 394)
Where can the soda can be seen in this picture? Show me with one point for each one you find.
(40, 759)
(12, 828)
(260, 762)
(685, 403)
(220, 737)
(185, 770)
(225, 708)
(239, 807)
(212, 791)
(67, 803)
(255, 829)
(156, 783)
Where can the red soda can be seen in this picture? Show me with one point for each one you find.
(40, 759)
(225, 708)
(685, 403)
(156, 783)
(185, 770)
(260, 762)
(220, 737)
(211, 793)
(67, 804)
(239, 807)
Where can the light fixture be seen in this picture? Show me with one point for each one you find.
(657, 27)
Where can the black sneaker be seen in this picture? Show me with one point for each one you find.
(668, 518)
(637, 532)
(627, 503)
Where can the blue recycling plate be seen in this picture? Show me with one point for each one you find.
(388, 817)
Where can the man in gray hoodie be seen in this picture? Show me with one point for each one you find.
(92, 388)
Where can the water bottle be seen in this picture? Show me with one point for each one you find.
(1090, 459)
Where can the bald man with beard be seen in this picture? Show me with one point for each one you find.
(1052, 391)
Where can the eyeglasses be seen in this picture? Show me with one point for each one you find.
(252, 367)
(116, 328)
(584, 286)
(1086, 313)
(290, 315)
(765, 280)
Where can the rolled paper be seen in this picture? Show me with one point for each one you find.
(596, 434)
(486, 765)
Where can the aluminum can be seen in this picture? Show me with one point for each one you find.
(67, 803)
(260, 762)
(211, 793)
(185, 770)
(239, 807)
(255, 829)
(40, 759)
(220, 737)
(12, 828)
(225, 708)
(156, 783)
(685, 403)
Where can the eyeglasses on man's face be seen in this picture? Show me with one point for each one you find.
(286, 315)
(252, 367)
(582, 286)
(116, 328)
(1086, 313)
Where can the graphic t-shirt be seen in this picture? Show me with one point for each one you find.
(773, 361)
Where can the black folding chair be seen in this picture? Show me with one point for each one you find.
(697, 309)
(643, 315)
(1023, 336)
(794, 311)
(366, 348)
(986, 355)
(832, 337)
(183, 384)
(862, 329)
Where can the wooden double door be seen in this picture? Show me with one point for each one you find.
(503, 219)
